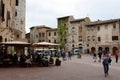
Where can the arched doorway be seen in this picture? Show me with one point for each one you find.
(93, 49)
(81, 49)
(107, 49)
(100, 49)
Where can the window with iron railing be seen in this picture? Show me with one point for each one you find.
(114, 38)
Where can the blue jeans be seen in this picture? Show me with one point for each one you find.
(106, 67)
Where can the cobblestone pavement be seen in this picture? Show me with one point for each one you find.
(75, 69)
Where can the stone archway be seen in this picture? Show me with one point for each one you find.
(100, 49)
(107, 49)
(93, 49)
(81, 49)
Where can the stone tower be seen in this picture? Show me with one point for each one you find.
(12, 20)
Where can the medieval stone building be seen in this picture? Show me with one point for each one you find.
(12, 20)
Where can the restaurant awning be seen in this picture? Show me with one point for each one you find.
(45, 44)
(16, 43)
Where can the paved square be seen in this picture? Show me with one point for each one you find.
(75, 69)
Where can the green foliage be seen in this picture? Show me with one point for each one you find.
(46, 57)
(12, 51)
(62, 30)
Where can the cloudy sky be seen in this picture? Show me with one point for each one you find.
(46, 12)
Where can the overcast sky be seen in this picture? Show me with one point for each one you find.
(46, 12)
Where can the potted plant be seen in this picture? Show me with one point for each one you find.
(51, 60)
(57, 61)
(45, 61)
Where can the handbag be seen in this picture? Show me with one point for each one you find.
(109, 60)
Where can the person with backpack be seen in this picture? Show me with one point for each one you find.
(105, 62)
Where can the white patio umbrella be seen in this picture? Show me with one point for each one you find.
(45, 44)
(45, 49)
(15, 43)
(19, 46)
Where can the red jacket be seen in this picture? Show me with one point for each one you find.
(116, 53)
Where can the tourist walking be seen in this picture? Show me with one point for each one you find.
(116, 55)
(69, 55)
(94, 57)
(105, 62)
(99, 55)
(64, 56)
